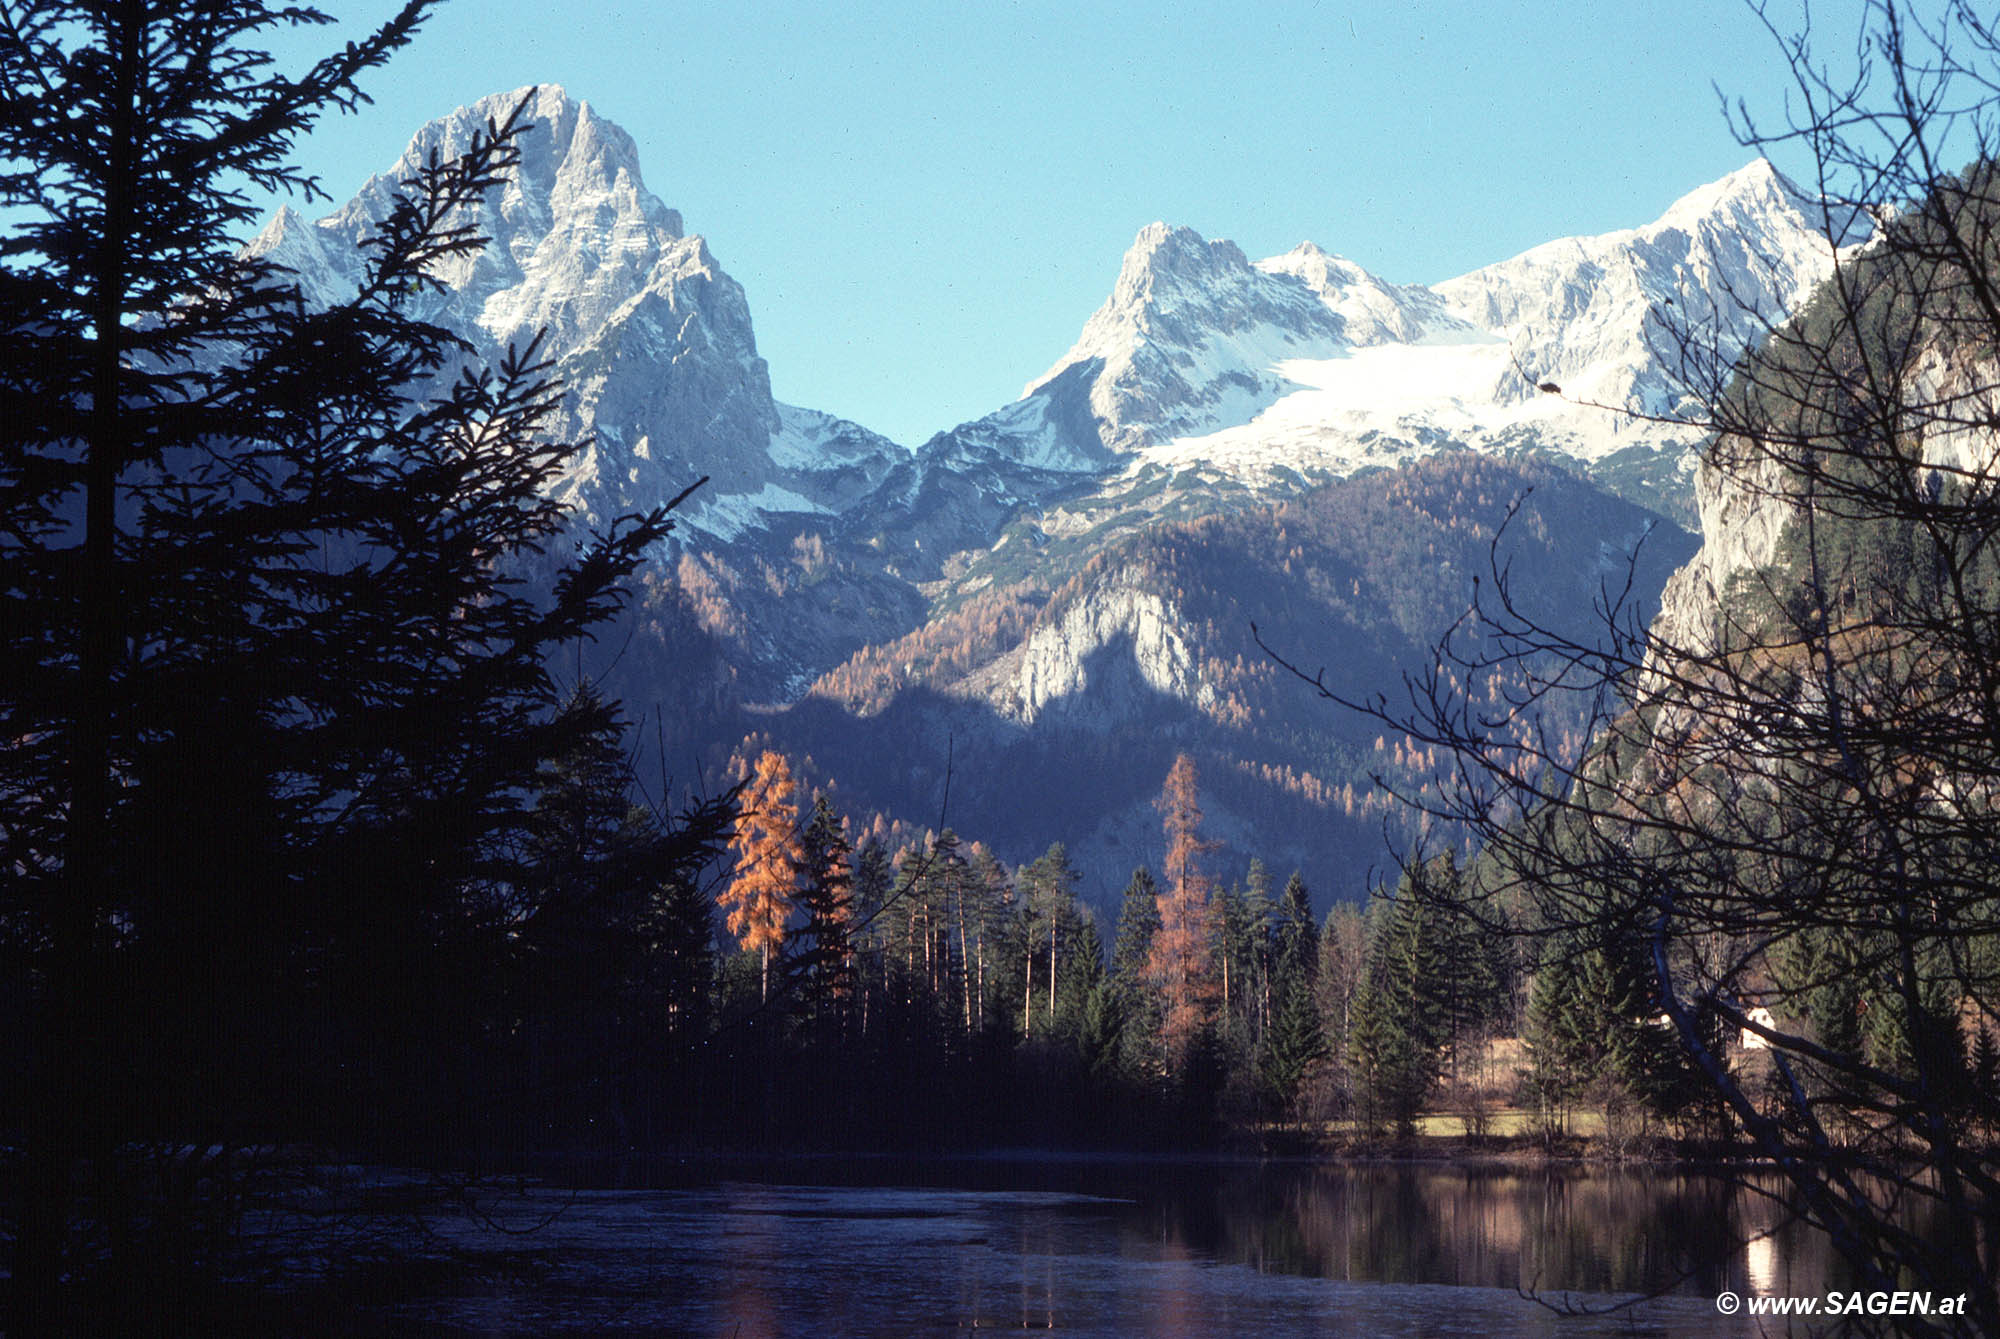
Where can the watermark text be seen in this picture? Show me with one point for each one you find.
(1845, 1304)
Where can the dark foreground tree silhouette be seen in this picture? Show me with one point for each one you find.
(273, 692)
(1791, 800)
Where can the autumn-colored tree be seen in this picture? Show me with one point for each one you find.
(1181, 964)
(768, 860)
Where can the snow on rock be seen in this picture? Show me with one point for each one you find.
(844, 461)
(728, 515)
(1728, 260)
(650, 337)
(1371, 311)
(1193, 341)
(1307, 362)
(575, 233)
(327, 273)
(1187, 338)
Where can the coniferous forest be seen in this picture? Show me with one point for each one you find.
(320, 847)
(309, 843)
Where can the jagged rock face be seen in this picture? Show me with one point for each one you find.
(575, 233)
(1749, 494)
(1741, 497)
(1260, 376)
(1728, 259)
(1185, 339)
(1306, 362)
(1118, 627)
(652, 339)
(1371, 311)
(1192, 340)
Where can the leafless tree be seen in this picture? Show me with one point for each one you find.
(1791, 795)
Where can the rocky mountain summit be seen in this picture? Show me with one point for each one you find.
(649, 334)
(1060, 588)
(1596, 314)
(1307, 364)
(1201, 366)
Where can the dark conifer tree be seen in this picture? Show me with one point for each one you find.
(1048, 917)
(606, 943)
(1257, 917)
(272, 689)
(1138, 921)
(874, 884)
(989, 899)
(1343, 956)
(1137, 1002)
(1465, 989)
(1395, 1034)
(821, 958)
(1296, 1037)
(1561, 1036)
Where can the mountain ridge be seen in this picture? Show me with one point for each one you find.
(651, 337)
(1003, 585)
(1302, 365)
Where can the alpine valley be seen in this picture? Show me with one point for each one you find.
(1020, 622)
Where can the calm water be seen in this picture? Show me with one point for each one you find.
(1086, 1248)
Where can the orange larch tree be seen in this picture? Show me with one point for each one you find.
(1181, 964)
(769, 856)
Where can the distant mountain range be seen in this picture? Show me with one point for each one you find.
(1058, 595)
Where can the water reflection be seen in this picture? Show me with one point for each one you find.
(1595, 1232)
(1159, 1250)
(1760, 1265)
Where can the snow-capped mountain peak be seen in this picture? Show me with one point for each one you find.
(575, 233)
(650, 336)
(1738, 253)
(1306, 362)
(1371, 310)
(1166, 262)
(1185, 341)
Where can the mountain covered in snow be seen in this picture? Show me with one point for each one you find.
(650, 336)
(1202, 367)
(1049, 601)
(1305, 364)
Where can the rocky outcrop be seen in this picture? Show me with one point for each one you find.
(1099, 656)
(1749, 495)
(1596, 314)
(1187, 340)
(1372, 311)
(650, 336)
(1744, 511)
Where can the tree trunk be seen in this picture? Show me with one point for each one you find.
(1052, 969)
(1027, 994)
(964, 957)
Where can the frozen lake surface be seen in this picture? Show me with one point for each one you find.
(1168, 1250)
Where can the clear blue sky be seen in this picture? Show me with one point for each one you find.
(925, 201)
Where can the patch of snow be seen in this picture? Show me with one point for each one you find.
(1025, 433)
(728, 515)
(1306, 361)
(808, 439)
(1386, 404)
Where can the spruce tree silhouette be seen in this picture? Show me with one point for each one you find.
(273, 684)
